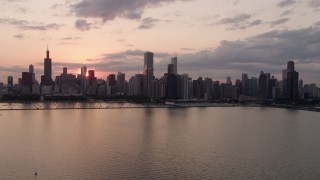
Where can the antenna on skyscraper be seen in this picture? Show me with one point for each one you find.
(138, 69)
(292, 56)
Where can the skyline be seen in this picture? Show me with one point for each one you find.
(220, 39)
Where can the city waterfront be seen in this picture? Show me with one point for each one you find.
(159, 143)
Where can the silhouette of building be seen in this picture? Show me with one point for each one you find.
(245, 84)
(26, 83)
(171, 69)
(148, 73)
(198, 88)
(46, 79)
(184, 81)
(263, 86)
(10, 84)
(121, 83)
(174, 61)
(292, 82)
(91, 77)
(136, 85)
(208, 83)
(83, 79)
(112, 84)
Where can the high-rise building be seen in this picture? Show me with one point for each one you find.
(84, 71)
(198, 88)
(290, 82)
(26, 83)
(46, 79)
(136, 85)
(83, 78)
(253, 87)
(31, 70)
(10, 83)
(229, 80)
(263, 85)
(245, 84)
(121, 82)
(171, 69)
(174, 61)
(148, 73)
(184, 81)
(65, 70)
(91, 77)
(208, 83)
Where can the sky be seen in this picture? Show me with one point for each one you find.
(211, 38)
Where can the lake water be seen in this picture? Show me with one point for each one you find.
(160, 143)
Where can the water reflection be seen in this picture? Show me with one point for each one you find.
(149, 143)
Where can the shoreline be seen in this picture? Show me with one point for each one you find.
(116, 105)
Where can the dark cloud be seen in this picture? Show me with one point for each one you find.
(13, 69)
(70, 38)
(82, 25)
(314, 3)
(20, 36)
(148, 23)
(129, 54)
(268, 51)
(286, 3)
(111, 9)
(187, 49)
(236, 2)
(235, 19)
(28, 25)
(279, 21)
(239, 22)
(286, 13)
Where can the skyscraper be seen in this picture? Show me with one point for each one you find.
(65, 71)
(263, 85)
(174, 61)
(292, 82)
(245, 84)
(10, 83)
(31, 70)
(46, 79)
(121, 82)
(148, 73)
(171, 69)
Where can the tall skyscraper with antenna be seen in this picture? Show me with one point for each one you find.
(46, 79)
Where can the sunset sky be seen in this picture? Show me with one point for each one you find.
(212, 38)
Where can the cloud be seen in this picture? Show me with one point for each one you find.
(286, 13)
(129, 54)
(20, 36)
(70, 38)
(279, 21)
(314, 3)
(82, 25)
(148, 23)
(269, 52)
(239, 22)
(13, 69)
(235, 19)
(187, 49)
(286, 3)
(27, 25)
(110, 9)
